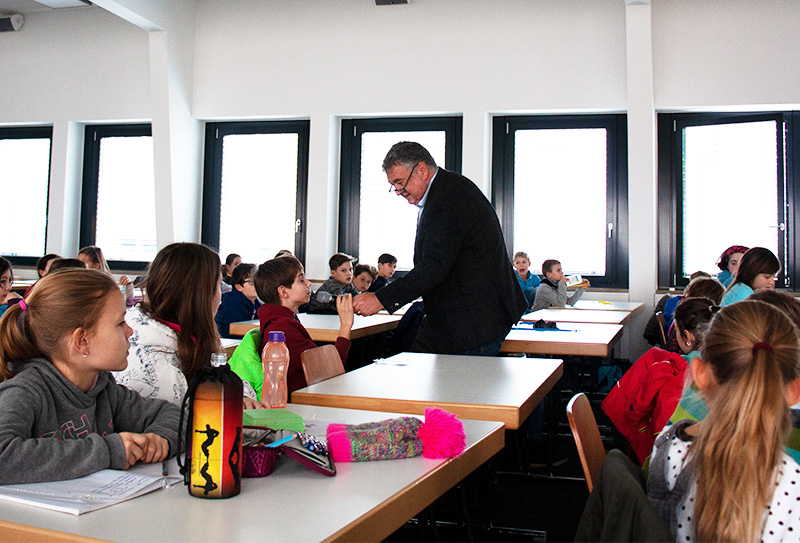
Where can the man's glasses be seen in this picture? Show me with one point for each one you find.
(393, 187)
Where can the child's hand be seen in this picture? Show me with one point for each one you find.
(146, 448)
(344, 306)
(123, 280)
(250, 403)
(584, 284)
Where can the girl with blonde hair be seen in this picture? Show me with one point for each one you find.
(64, 416)
(728, 477)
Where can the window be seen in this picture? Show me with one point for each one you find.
(723, 181)
(118, 208)
(373, 220)
(254, 195)
(25, 156)
(559, 185)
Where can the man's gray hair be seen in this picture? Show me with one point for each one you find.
(407, 154)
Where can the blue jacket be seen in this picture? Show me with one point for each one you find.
(529, 286)
(235, 307)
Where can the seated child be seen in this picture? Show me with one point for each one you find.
(553, 290)
(363, 277)
(283, 287)
(241, 303)
(340, 282)
(527, 281)
(7, 296)
(64, 416)
(386, 266)
(42, 267)
(174, 333)
(757, 271)
(728, 477)
(728, 263)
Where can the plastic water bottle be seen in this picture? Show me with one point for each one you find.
(275, 361)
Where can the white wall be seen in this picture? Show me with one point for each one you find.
(325, 60)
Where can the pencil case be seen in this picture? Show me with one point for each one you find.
(258, 460)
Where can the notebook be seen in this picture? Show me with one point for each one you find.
(95, 491)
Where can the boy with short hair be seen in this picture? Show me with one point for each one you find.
(553, 290)
(527, 281)
(340, 282)
(283, 287)
(363, 277)
(386, 266)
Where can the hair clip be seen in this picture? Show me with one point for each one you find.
(22, 305)
(714, 308)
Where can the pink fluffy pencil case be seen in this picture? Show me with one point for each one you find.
(440, 436)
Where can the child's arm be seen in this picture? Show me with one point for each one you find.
(27, 458)
(138, 415)
(578, 292)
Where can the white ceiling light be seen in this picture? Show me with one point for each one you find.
(56, 4)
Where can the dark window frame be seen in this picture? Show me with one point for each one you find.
(212, 174)
(670, 186)
(32, 132)
(91, 177)
(503, 132)
(350, 169)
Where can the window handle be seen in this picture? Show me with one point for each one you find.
(610, 230)
(781, 227)
(297, 224)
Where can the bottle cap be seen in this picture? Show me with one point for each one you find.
(276, 336)
(219, 359)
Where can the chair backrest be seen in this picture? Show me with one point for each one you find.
(587, 437)
(661, 325)
(321, 363)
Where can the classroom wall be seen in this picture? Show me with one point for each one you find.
(182, 62)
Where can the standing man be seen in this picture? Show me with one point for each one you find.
(461, 266)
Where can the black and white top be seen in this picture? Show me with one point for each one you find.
(672, 490)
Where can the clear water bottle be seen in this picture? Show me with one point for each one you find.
(275, 361)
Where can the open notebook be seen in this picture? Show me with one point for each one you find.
(95, 491)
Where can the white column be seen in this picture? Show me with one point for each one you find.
(642, 189)
(64, 197)
(322, 205)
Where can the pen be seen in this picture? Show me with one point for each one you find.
(281, 441)
(164, 468)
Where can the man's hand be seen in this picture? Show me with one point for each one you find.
(366, 304)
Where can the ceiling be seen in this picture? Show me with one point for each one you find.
(23, 7)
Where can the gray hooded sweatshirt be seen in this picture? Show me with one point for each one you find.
(50, 430)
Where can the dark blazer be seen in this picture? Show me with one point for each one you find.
(461, 270)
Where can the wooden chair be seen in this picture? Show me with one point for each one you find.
(661, 325)
(587, 437)
(321, 363)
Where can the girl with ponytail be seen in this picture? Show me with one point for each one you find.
(64, 416)
(728, 477)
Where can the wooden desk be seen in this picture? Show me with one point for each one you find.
(584, 340)
(473, 387)
(632, 307)
(325, 328)
(559, 315)
(365, 501)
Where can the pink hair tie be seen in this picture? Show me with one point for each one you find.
(22, 305)
(762, 345)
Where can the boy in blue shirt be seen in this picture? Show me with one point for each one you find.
(527, 281)
(386, 265)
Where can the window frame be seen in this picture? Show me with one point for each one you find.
(503, 142)
(212, 174)
(32, 132)
(670, 183)
(93, 133)
(352, 131)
